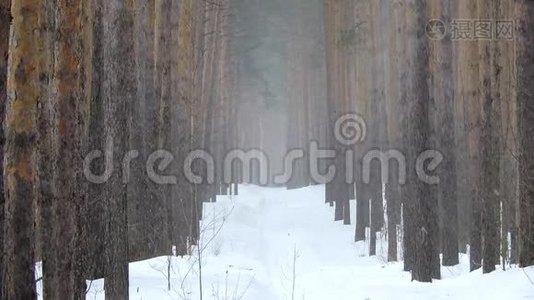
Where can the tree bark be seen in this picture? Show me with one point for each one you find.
(407, 95)
(490, 151)
(119, 92)
(427, 265)
(5, 23)
(525, 11)
(23, 90)
(467, 93)
(443, 94)
(46, 154)
(69, 122)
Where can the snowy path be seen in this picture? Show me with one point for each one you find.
(250, 255)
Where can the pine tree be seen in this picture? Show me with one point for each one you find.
(118, 93)
(525, 110)
(490, 151)
(70, 102)
(5, 21)
(46, 154)
(23, 90)
(427, 265)
(441, 52)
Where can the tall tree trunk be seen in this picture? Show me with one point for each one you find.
(184, 73)
(361, 92)
(119, 92)
(20, 126)
(407, 95)
(336, 21)
(504, 86)
(70, 104)
(443, 95)
(5, 23)
(467, 93)
(138, 191)
(525, 63)
(93, 225)
(46, 154)
(331, 27)
(392, 68)
(461, 151)
(427, 263)
(490, 150)
(159, 220)
(163, 86)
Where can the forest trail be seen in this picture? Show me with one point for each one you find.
(250, 241)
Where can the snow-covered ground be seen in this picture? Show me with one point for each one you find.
(262, 243)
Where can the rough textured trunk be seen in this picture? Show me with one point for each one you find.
(377, 127)
(467, 93)
(360, 91)
(163, 86)
(118, 93)
(490, 150)
(196, 108)
(330, 79)
(93, 225)
(505, 89)
(392, 68)
(138, 194)
(46, 154)
(346, 22)
(339, 104)
(159, 221)
(69, 122)
(426, 264)
(461, 151)
(153, 219)
(184, 73)
(207, 100)
(23, 90)
(407, 95)
(524, 11)
(443, 94)
(5, 23)
(84, 116)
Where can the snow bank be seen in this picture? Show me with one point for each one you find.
(268, 244)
